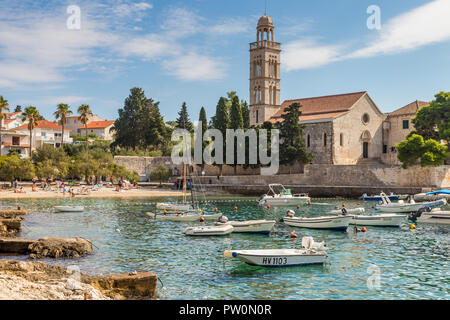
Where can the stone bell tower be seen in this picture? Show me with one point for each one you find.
(264, 73)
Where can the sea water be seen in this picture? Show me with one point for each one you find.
(382, 263)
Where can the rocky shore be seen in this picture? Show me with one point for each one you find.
(37, 280)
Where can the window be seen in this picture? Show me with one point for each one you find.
(15, 141)
(341, 139)
(257, 116)
(308, 141)
(365, 118)
(324, 139)
(405, 124)
(384, 148)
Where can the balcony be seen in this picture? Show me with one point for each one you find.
(265, 44)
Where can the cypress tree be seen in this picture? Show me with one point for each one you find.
(292, 145)
(183, 121)
(245, 114)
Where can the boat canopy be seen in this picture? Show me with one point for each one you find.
(443, 191)
(286, 192)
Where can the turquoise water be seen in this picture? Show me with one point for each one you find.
(411, 264)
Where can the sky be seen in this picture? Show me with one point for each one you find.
(197, 50)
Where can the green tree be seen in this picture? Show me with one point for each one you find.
(153, 126)
(61, 113)
(160, 173)
(183, 121)
(221, 122)
(31, 115)
(236, 122)
(292, 145)
(12, 167)
(245, 114)
(203, 125)
(4, 106)
(85, 113)
(416, 150)
(47, 157)
(18, 108)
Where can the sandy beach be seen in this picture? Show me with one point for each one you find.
(100, 193)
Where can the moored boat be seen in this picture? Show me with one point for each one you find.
(281, 257)
(174, 206)
(338, 222)
(184, 216)
(209, 230)
(346, 210)
(380, 220)
(403, 207)
(435, 216)
(248, 226)
(69, 208)
(391, 197)
(283, 198)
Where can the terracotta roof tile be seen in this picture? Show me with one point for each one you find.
(99, 124)
(42, 124)
(411, 108)
(321, 107)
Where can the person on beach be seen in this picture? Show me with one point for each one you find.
(33, 188)
(15, 184)
(63, 188)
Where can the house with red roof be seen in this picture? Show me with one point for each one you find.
(45, 132)
(102, 129)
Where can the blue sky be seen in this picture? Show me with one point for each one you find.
(196, 51)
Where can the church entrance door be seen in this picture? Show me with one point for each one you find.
(365, 150)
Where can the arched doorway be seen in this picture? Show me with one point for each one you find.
(365, 138)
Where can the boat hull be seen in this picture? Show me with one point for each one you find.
(278, 258)
(284, 201)
(331, 223)
(174, 207)
(409, 207)
(68, 209)
(354, 210)
(252, 226)
(437, 217)
(383, 220)
(183, 217)
(209, 230)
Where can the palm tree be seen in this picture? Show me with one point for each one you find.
(85, 111)
(61, 113)
(31, 115)
(4, 106)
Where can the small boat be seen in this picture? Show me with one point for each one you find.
(248, 226)
(429, 215)
(184, 216)
(338, 222)
(402, 207)
(174, 206)
(209, 230)
(391, 197)
(69, 208)
(282, 257)
(284, 198)
(380, 220)
(346, 210)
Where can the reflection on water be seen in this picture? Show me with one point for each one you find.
(412, 264)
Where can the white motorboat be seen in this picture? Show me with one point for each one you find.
(284, 198)
(69, 208)
(346, 210)
(433, 216)
(403, 207)
(338, 222)
(209, 230)
(184, 216)
(174, 206)
(282, 257)
(380, 220)
(248, 226)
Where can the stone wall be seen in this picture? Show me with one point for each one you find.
(310, 174)
(316, 131)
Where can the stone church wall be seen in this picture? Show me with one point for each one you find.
(322, 154)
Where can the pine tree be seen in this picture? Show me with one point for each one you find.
(221, 122)
(183, 121)
(292, 145)
(236, 119)
(245, 114)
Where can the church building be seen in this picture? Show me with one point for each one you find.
(341, 129)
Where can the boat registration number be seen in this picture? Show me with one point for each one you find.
(274, 260)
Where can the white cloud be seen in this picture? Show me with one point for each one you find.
(150, 46)
(229, 26)
(194, 67)
(421, 26)
(307, 53)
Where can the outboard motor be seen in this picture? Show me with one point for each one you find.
(223, 219)
(419, 212)
(344, 211)
(290, 213)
